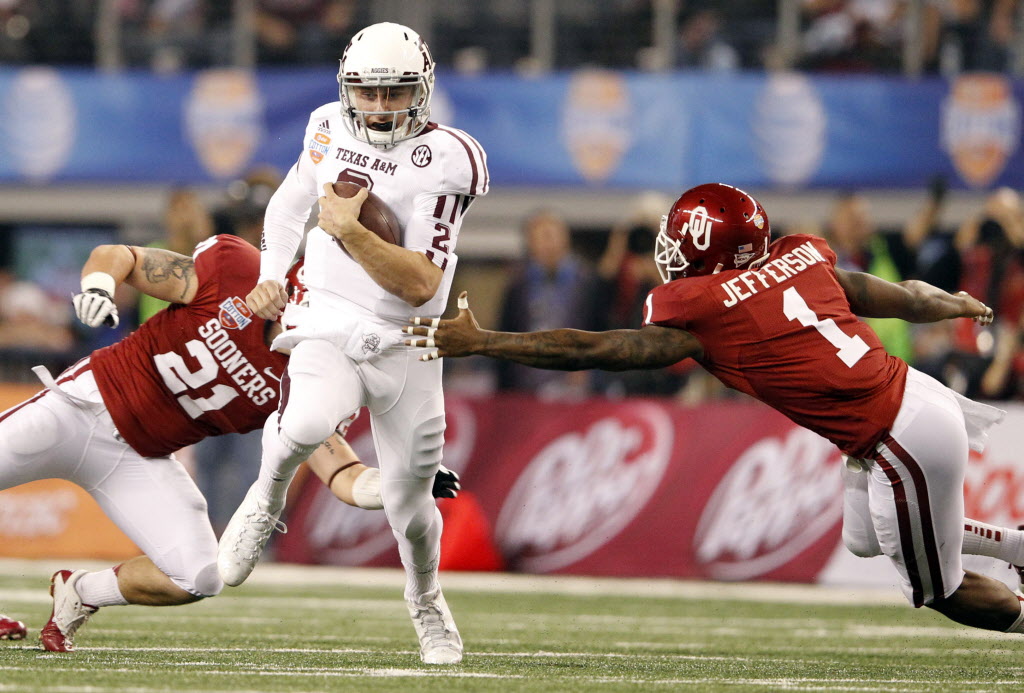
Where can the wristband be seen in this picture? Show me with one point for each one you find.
(99, 280)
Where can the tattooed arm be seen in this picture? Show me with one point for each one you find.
(567, 350)
(159, 273)
(912, 300)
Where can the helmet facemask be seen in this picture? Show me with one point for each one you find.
(416, 113)
(668, 254)
(390, 66)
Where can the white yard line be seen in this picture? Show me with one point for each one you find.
(787, 683)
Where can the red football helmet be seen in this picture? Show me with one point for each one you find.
(711, 228)
(298, 300)
(295, 284)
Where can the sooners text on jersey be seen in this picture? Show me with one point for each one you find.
(196, 370)
(784, 334)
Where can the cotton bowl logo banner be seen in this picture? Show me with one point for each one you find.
(583, 488)
(39, 123)
(980, 126)
(789, 129)
(224, 120)
(596, 122)
(777, 500)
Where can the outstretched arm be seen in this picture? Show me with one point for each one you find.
(564, 349)
(912, 300)
(159, 273)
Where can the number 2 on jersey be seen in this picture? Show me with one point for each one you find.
(178, 378)
(851, 349)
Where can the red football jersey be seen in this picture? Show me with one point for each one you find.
(785, 334)
(196, 370)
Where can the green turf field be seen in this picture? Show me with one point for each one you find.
(323, 630)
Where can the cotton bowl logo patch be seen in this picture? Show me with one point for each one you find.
(980, 126)
(234, 314)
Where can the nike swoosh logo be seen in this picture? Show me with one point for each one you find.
(270, 372)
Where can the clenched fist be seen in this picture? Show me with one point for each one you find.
(267, 300)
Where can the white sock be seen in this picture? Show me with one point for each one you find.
(281, 459)
(981, 539)
(421, 583)
(272, 489)
(100, 589)
(1018, 625)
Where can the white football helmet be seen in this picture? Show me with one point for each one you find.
(386, 55)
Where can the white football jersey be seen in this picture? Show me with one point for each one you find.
(428, 181)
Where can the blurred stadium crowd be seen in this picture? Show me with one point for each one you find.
(586, 278)
(944, 36)
(597, 279)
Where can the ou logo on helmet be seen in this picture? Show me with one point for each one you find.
(699, 227)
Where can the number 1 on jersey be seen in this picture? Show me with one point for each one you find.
(851, 349)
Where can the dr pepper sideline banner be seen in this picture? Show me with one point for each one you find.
(730, 491)
(649, 488)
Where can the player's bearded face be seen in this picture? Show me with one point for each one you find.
(386, 100)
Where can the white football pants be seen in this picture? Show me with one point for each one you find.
(323, 386)
(68, 434)
(908, 501)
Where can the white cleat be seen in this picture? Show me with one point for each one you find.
(68, 615)
(440, 642)
(244, 539)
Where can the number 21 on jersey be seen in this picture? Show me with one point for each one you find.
(178, 378)
(850, 349)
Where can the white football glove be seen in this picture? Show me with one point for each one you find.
(94, 306)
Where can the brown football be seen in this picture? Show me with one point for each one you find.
(374, 214)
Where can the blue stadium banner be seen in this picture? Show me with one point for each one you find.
(580, 129)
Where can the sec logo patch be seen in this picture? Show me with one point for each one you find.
(421, 156)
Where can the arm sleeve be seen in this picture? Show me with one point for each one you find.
(284, 223)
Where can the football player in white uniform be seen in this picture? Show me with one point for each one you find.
(347, 353)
